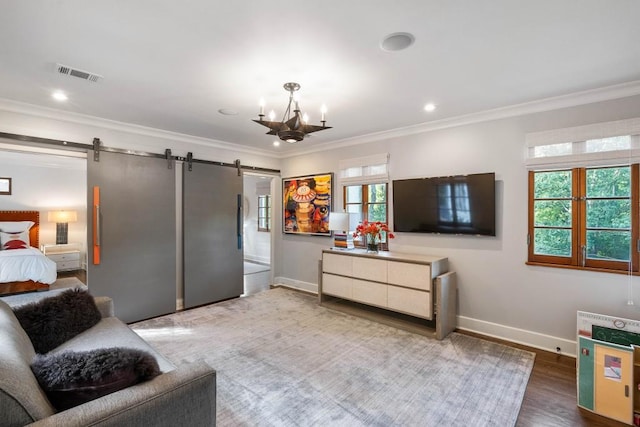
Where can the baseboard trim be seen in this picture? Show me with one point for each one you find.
(518, 336)
(296, 284)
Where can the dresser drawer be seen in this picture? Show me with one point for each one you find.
(370, 292)
(370, 269)
(337, 264)
(417, 276)
(337, 286)
(64, 256)
(410, 301)
(68, 265)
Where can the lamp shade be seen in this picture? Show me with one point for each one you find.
(339, 221)
(62, 216)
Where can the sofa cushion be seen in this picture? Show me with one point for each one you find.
(21, 399)
(72, 378)
(112, 332)
(52, 321)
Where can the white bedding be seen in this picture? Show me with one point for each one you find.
(19, 265)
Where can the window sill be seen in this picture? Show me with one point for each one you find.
(574, 267)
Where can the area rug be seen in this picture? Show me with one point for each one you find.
(282, 360)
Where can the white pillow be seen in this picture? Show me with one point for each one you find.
(15, 226)
(19, 240)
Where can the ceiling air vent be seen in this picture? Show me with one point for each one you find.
(81, 74)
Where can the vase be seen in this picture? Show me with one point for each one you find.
(373, 244)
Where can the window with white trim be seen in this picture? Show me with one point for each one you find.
(264, 212)
(365, 189)
(584, 197)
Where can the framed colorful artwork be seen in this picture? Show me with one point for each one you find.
(306, 204)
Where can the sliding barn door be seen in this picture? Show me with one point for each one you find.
(212, 230)
(132, 233)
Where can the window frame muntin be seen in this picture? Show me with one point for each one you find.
(579, 228)
(364, 206)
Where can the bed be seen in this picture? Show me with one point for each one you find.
(23, 269)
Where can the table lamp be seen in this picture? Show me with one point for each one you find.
(339, 224)
(62, 219)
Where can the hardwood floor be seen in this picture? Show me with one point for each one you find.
(550, 399)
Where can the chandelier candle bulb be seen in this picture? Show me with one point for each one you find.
(261, 114)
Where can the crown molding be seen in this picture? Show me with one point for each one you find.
(24, 155)
(607, 93)
(83, 119)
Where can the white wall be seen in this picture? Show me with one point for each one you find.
(46, 183)
(498, 294)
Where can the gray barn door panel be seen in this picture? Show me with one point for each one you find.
(137, 228)
(212, 229)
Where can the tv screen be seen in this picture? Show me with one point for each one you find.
(461, 204)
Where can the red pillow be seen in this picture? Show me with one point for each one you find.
(19, 240)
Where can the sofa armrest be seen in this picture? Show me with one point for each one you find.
(105, 305)
(184, 396)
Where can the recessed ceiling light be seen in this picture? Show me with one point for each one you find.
(228, 112)
(430, 107)
(59, 96)
(276, 143)
(397, 41)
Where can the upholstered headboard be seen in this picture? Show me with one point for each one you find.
(34, 233)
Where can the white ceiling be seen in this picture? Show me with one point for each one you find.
(172, 65)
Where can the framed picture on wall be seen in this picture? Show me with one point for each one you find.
(306, 204)
(5, 186)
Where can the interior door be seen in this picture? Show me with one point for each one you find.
(212, 230)
(133, 232)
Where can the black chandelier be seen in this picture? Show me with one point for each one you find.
(293, 127)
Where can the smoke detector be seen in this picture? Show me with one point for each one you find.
(75, 72)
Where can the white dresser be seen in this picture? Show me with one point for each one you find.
(416, 285)
(66, 257)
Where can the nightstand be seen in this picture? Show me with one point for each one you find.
(66, 257)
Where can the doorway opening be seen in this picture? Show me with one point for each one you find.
(258, 209)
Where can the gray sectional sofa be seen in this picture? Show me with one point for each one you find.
(183, 395)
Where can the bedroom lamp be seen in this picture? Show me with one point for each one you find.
(339, 223)
(62, 219)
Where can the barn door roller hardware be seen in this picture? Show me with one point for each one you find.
(96, 149)
(167, 155)
(190, 160)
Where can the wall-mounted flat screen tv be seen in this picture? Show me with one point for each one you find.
(461, 204)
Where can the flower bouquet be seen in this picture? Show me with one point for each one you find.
(371, 233)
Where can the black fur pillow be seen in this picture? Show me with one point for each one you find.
(73, 378)
(54, 320)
